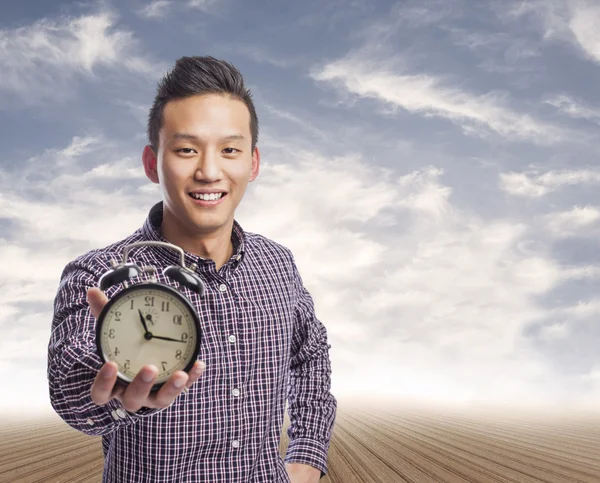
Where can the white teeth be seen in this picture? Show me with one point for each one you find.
(207, 197)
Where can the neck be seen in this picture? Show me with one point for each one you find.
(215, 245)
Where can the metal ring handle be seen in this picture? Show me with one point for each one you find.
(156, 244)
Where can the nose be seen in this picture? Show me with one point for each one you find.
(208, 168)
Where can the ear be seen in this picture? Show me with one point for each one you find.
(255, 164)
(150, 164)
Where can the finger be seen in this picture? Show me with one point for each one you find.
(102, 388)
(97, 300)
(136, 394)
(170, 390)
(195, 373)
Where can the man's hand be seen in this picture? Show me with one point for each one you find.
(302, 473)
(137, 393)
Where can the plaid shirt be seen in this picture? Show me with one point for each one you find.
(261, 342)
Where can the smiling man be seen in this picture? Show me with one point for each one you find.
(262, 342)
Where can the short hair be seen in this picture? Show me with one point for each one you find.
(193, 76)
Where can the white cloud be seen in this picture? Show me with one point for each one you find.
(442, 297)
(203, 5)
(81, 145)
(572, 21)
(574, 221)
(156, 9)
(429, 96)
(584, 25)
(40, 61)
(532, 185)
(573, 108)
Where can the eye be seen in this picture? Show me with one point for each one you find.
(231, 149)
(185, 150)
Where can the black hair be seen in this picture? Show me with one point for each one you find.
(193, 76)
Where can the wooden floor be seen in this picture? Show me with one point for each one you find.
(371, 443)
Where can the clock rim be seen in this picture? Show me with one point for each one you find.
(121, 378)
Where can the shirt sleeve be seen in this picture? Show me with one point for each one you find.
(73, 361)
(311, 406)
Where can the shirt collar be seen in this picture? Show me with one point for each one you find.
(151, 230)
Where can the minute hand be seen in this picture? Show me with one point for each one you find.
(167, 338)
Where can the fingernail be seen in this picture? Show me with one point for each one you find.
(198, 368)
(178, 382)
(147, 376)
(109, 371)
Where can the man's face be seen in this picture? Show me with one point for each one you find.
(205, 144)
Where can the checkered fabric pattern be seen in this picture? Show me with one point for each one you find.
(262, 344)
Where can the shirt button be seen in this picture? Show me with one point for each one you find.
(232, 339)
(235, 443)
(90, 422)
(121, 413)
(114, 415)
(223, 287)
(236, 392)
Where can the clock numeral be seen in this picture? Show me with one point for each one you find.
(177, 319)
(127, 365)
(111, 333)
(178, 354)
(165, 306)
(117, 351)
(184, 337)
(164, 364)
(149, 301)
(131, 304)
(117, 315)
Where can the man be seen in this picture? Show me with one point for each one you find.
(262, 342)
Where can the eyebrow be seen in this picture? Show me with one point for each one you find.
(192, 137)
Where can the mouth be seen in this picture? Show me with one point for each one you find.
(207, 199)
(206, 196)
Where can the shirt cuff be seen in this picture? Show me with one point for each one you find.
(307, 451)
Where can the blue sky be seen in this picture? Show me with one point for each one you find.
(433, 165)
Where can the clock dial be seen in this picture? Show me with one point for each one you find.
(167, 337)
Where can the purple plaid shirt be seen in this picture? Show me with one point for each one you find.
(261, 342)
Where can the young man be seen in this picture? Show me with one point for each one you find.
(262, 343)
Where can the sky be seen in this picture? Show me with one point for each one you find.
(432, 165)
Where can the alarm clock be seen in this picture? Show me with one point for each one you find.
(149, 322)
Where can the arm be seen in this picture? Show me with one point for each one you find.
(73, 362)
(311, 406)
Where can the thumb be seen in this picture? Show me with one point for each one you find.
(97, 300)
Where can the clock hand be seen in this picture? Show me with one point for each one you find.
(149, 317)
(143, 322)
(167, 338)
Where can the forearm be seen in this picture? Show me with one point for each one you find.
(312, 409)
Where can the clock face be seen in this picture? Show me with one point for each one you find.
(148, 324)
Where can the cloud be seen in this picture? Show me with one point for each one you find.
(156, 9)
(584, 25)
(80, 145)
(572, 21)
(434, 299)
(429, 96)
(579, 220)
(41, 61)
(532, 185)
(403, 277)
(203, 5)
(573, 108)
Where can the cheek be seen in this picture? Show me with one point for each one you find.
(174, 174)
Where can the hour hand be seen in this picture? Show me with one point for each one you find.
(143, 321)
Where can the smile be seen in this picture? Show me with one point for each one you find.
(207, 199)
